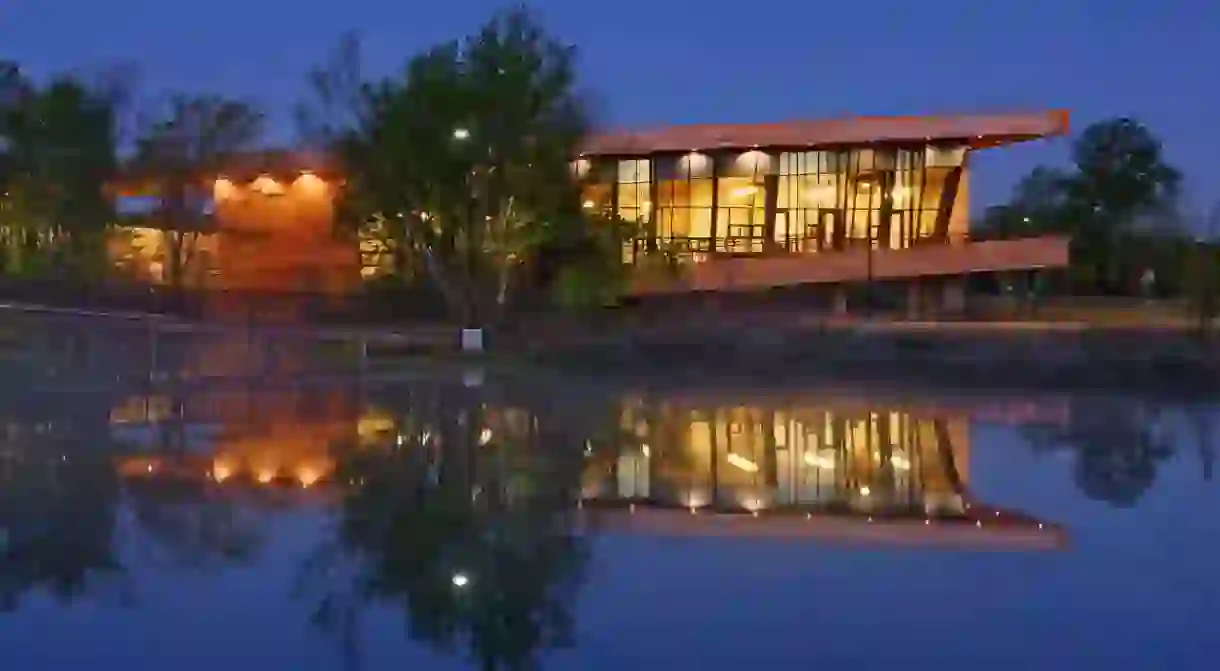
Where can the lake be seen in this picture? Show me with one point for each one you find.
(447, 523)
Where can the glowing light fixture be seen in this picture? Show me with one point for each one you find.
(742, 463)
(266, 185)
(819, 461)
(460, 580)
(865, 491)
(223, 189)
(461, 134)
(307, 477)
(310, 183)
(485, 436)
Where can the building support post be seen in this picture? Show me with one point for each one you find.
(953, 295)
(840, 299)
(914, 299)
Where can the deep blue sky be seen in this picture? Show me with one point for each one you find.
(676, 61)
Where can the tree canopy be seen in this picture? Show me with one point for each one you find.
(58, 146)
(462, 162)
(192, 133)
(1119, 188)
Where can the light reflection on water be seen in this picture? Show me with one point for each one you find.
(328, 527)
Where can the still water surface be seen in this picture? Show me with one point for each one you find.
(435, 525)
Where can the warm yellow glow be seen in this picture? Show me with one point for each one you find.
(900, 463)
(754, 161)
(307, 477)
(819, 461)
(742, 463)
(265, 476)
(223, 190)
(310, 184)
(647, 451)
(373, 424)
(580, 167)
(865, 491)
(589, 205)
(267, 186)
(485, 436)
(695, 164)
(744, 191)
(221, 471)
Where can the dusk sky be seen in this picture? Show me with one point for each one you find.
(654, 62)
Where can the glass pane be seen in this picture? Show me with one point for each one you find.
(701, 193)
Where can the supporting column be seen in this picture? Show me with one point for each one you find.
(839, 299)
(914, 300)
(953, 295)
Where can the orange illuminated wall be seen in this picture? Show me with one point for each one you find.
(278, 235)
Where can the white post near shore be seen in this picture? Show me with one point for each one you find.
(472, 340)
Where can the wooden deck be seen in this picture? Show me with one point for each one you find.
(858, 265)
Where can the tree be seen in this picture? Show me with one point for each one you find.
(1202, 274)
(1122, 185)
(1119, 191)
(191, 138)
(59, 143)
(463, 161)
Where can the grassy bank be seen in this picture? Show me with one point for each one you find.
(1132, 360)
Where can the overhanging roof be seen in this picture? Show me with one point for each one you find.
(978, 130)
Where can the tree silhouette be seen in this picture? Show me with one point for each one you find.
(1118, 447)
(463, 523)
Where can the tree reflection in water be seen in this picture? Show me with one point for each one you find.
(64, 499)
(1118, 447)
(59, 496)
(465, 521)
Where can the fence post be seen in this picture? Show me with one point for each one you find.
(152, 348)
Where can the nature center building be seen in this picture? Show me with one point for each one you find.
(755, 207)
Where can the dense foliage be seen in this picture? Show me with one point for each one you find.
(58, 146)
(461, 166)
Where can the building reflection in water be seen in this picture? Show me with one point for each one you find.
(843, 465)
(472, 515)
(799, 469)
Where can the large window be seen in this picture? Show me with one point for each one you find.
(809, 188)
(886, 198)
(634, 178)
(684, 202)
(741, 195)
(798, 201)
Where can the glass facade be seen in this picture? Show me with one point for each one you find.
(745, 202)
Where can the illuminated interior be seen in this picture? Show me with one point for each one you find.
(748, 202)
